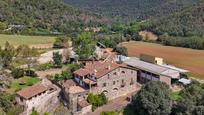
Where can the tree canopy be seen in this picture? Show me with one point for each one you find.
(153, 99)
(85, 45)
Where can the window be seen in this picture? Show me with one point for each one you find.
(132, 81)
(131, 72)
(122, 80)
(123, 72)
(113, 82)
(123, 83)
(104, 84)
(115, 73)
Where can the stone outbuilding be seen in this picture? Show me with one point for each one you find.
(43, 97)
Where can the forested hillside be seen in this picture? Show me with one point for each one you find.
(175, 17)
(134, 9)
(41, 16)
(188, 22)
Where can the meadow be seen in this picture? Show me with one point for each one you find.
(28, 40)
(190, 59)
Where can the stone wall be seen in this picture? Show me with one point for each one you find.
(166, 80)
(44, 102)
(119, 82)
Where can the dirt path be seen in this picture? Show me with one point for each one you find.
(114, 105)
(47, 57)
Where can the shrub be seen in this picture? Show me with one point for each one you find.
(121, 51)
(109, 113)
(97, 100)
(17, 73)
(43, 67)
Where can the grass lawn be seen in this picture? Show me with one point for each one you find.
(29, 40)
(189, 59)
(18, 84)
(175, 96)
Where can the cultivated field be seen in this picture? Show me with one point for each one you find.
(192, 60)
(29, 40)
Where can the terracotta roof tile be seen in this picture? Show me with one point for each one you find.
(32, 91)
(98, 69)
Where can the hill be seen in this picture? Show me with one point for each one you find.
(175, 17)
(134, 9)
(44, 16)
(188, 22)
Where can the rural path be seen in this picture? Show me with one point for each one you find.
(114, 105)
(47, 57)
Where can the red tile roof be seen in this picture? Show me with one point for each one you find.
(32, 91)
(98, 69)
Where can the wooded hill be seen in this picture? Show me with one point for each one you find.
(176, 17)
(43, 16)
(188, 22)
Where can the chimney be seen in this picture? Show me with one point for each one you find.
(109, 67)
(95, 71)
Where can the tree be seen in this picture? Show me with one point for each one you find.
(61, 42)
(121, 51)
(7, 54)
(85, 45)
(192, 100)
(57, 58)
(17, 73)
(97, 100)
(153, 99)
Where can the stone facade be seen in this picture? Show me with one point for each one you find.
(118, 82)
(114, 80)
(44, 101)
(74, 95)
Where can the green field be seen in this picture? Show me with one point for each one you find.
(29, 40)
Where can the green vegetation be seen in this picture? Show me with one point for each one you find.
(57, 58)
(17, 73)
(153, 98)
(34, 112)
(23, 82)
(43, 67)
(7, 104)
(65, 75)
(109, 113)
(97, 100)
(10, 56)
(85, 45)
(61, 42)
(6, 55)
(121, 51)
(156, 97)
(175, 96)
(17, 40)
(44, 17)
(191, 101)
(188, 42)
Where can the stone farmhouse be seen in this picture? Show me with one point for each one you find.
(110, 78)
(43, 97)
